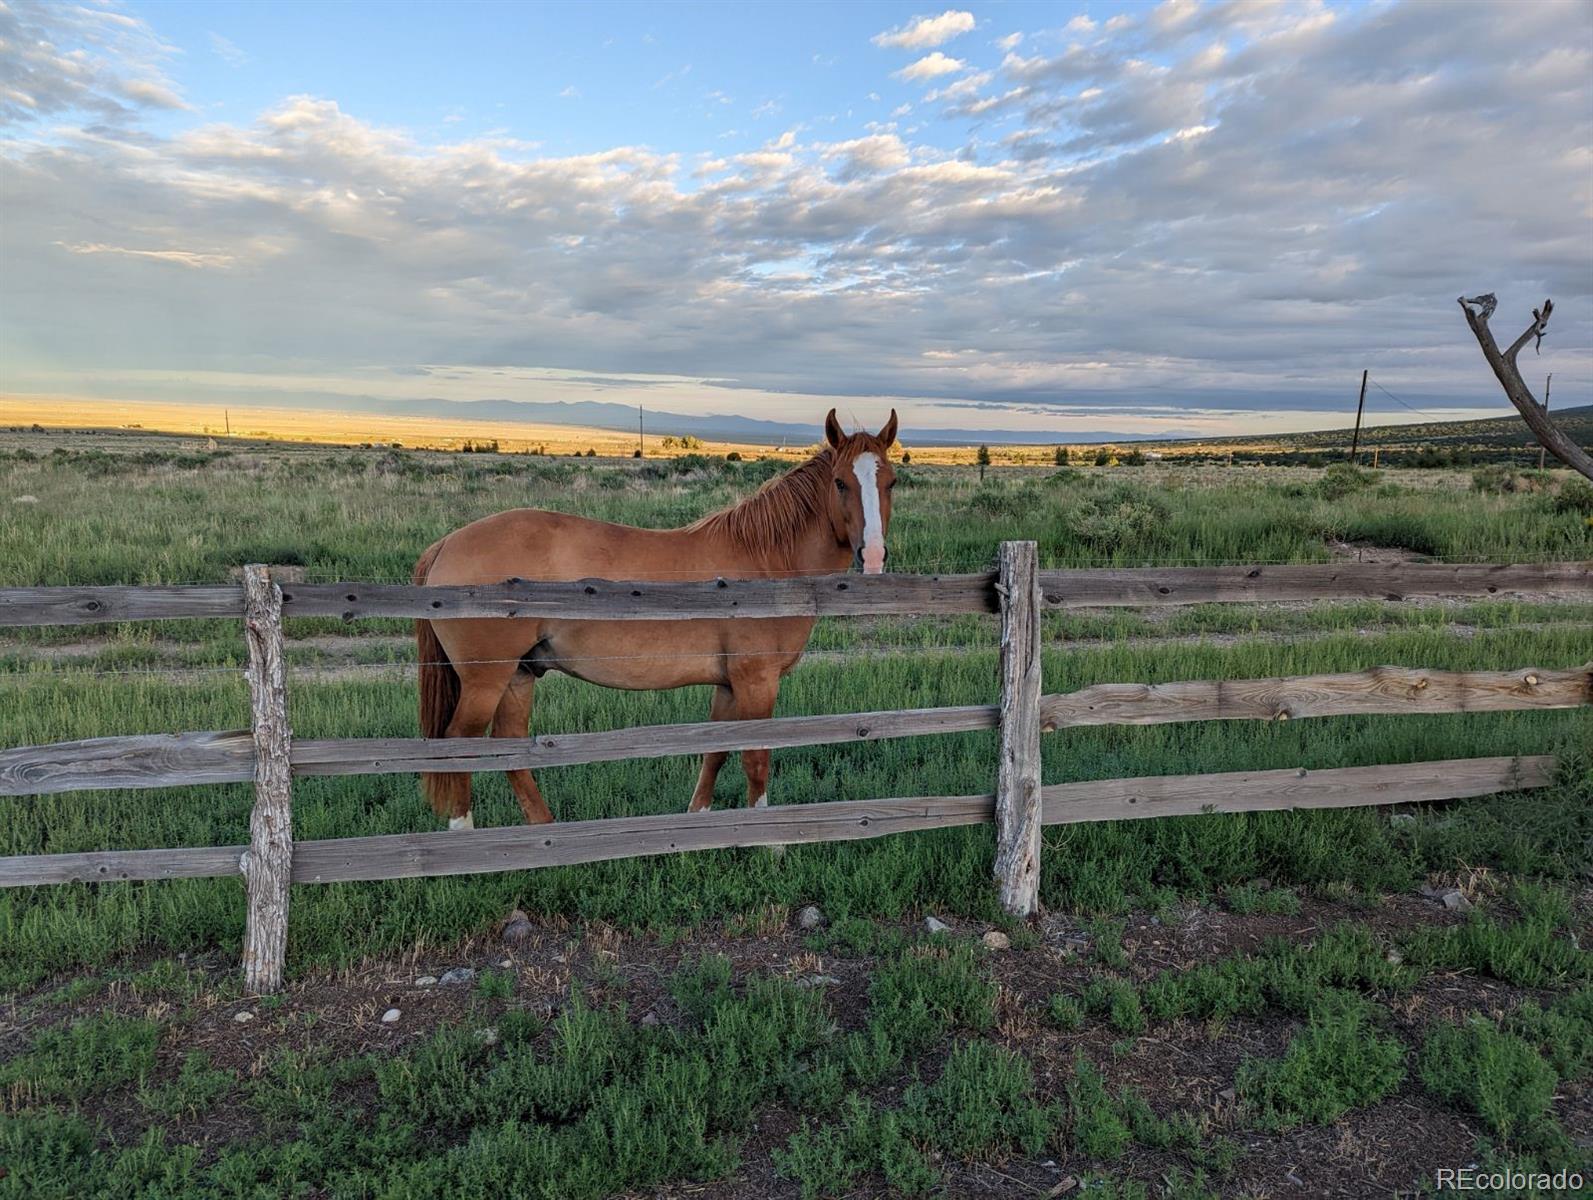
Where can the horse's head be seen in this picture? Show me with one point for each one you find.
(860, 496)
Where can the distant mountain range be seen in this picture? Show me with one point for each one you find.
(598, 414)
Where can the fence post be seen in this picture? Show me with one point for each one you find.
(268, 862)
(1018, 775)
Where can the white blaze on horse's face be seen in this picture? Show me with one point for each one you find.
(866, 467)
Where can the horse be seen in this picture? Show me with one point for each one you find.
(821, 517)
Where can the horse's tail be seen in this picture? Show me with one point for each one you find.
(439, 696)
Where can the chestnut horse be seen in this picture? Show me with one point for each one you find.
(479, 673)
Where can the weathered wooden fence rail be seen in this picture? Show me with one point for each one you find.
(172, 760)
(826, 595)
(268, 756)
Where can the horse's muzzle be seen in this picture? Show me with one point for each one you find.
(857, 561)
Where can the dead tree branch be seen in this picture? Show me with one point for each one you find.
(1478, 309)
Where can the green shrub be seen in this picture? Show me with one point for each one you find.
(982, 1103)
(1338, 1062)
(1065, 1012)
(1563, 1032)
(922, 995)
(1495, 1075)
(1529, 953)
(90, 1055)
(1573, 496)
(1096, 1125)
(1342, 479)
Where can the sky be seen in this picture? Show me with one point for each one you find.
(1178, 219)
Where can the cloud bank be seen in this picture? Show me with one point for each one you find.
(1231, 206)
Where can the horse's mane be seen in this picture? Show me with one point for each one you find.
(774, 516)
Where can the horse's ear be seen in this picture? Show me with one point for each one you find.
(888, 434)
(832, 430)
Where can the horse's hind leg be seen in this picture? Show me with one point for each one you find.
(513, 719)
(481, 688)
(723, 708)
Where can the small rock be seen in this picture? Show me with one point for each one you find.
(26, 500)
(507, 964)
(487, 1036)
(817, 981)
(458, 975)
(810, 917)
(1228, 1094)
(426, 981)
(996, 940)
(1063, 1186)
(517, 928)
(244, 1017)
(650, 1020)
(1394, 956)
(935, 925)
(1402, 819)
(1455, 901)
(390, 1017)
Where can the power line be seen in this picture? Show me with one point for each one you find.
(1397, 400)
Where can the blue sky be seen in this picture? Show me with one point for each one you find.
(572, 78)
(1183, 217)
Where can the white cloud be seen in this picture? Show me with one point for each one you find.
(1010, 42)
(1167, 231)
(224, 49)
(183, 258)
(57, 60)
(1079, 24)
(571, 92)
(931, 66)
(923, 32)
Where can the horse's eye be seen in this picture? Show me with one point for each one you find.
(840, 486)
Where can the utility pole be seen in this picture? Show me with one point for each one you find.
(641, 433)
(1355, 442)
(227, 416)
(1546, 382)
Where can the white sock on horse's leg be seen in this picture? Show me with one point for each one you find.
(762, 801)
(465, 822)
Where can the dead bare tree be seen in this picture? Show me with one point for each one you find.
(1478, 309)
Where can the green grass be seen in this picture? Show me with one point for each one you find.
(370, 515)
(1110, 866)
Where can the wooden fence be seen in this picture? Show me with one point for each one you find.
(1018, 591)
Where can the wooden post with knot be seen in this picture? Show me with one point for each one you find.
(1018, 797)
(268, 862)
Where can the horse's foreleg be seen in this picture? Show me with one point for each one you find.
(480, 689)
(755, 697)
(513, 719)
(723, 708)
